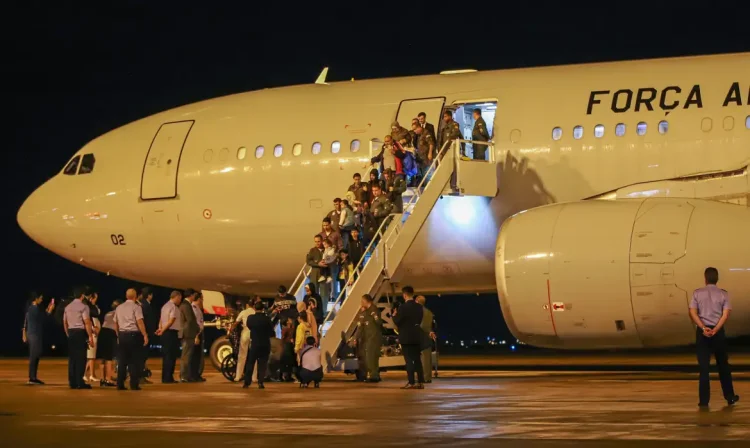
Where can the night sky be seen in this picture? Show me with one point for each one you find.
(75, 74)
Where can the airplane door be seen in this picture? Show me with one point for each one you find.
(409, 109)
(162, 163)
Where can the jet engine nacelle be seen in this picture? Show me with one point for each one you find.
(605, 274)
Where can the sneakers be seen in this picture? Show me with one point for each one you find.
(329, 280)
(321, 279)
(35, 382)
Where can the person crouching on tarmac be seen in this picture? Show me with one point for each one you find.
(369, 339)
(311, 369)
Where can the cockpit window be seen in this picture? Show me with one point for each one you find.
(72, 167)
(87, 164)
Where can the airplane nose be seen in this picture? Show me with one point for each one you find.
(34, 216)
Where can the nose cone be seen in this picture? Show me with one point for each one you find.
(35, 216)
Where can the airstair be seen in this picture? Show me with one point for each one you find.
(449, 174)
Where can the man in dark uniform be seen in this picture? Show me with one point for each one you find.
(709, 310)
(77, 325)
(395, 186)
(408, 320)
(450, 131)
(369, 340)
(261, 332)
(151, 323)
(33, 331)
(131, 338)
(381, 207)
(479, 134)
(428, 326)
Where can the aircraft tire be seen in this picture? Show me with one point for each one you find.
(220, 349)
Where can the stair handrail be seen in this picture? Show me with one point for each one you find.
(354, 276)
(302, 274)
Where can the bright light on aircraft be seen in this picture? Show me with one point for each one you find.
(461, 210)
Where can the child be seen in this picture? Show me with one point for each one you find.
(303, 332)
(311, 369)
(346, 269)
(287, 356)
(330, 256)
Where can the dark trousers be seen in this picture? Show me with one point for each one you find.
(35, 354)
(717, 344)
(413, 357)
(170, 349)
(197, 359)
(308, 376)
(145, 350)
(185, 360)
(288, 361)
(129, 357)
(260, 355)
(76, 357)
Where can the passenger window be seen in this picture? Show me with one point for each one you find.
(87, 164)
(335, 147)
(556, 133)
(620, 129)
(72, 167)
(259, 152)
(663, 127)
(599, 131)
(641, 128)
(278, 150)
(354, 147)
(316, 148)
(241, 153)
(747, 122)
(577, 132)
(297, 149)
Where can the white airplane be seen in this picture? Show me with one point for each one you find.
(608, 189)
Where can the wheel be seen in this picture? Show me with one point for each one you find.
(229, 367)
(220, 349)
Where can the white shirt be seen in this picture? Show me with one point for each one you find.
(242, 317)
(311, 358)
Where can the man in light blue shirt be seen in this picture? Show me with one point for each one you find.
(709, 310)
(131, 338)
(169, 328)
(77, 325)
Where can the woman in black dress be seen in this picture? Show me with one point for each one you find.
(106, 346)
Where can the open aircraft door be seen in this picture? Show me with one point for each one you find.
(409, 109)
(162, 163)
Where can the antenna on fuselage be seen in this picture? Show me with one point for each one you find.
(322, 77)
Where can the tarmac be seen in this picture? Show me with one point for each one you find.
(504, 405)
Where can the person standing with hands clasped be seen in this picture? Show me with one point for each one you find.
(77, 325)
(131, 338)
(709, 310)
(408, 319)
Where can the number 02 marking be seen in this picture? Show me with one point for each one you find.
(117, 240)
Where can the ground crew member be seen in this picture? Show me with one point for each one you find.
(710, 310)
(479, 134)
(369, 340)
(33, 331)
(131, 338)
(428, 326)
(169, 328)
(77, 325)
